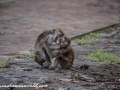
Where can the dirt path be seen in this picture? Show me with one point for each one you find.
(22, 20)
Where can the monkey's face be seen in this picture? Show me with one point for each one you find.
(58, 36)
(60, 39)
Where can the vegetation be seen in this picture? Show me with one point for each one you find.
(2, 63)
(30, 54)
(2, 0)
(85, 41)
(96, 35)
(89, 39)
(103, 57)
(118, 22)
(112, 28)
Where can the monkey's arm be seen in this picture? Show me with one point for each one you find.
(51, 53)
(54, 46)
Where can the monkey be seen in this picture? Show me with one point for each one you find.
(55, 37)
(64, 56)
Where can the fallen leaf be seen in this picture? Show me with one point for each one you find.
(65, 79)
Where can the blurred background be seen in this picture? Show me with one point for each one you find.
(21, 21)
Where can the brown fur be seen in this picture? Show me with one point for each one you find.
(64, 56)
(67, 56)
(41, 55)
(40, 39)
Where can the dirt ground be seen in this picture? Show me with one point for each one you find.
(91, 75)
(21, 21)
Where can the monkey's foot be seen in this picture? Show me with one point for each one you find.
(46, 66)
(51, 68)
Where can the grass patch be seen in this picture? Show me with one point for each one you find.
(118, 22)
(103, 57)
(96, 35)
(85, 41)
(30, 54)
(27, 54)
(2, 63)
(112, 28)
(2, 0)
(89, 39)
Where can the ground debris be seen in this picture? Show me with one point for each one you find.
(98, 74)
(88, 84)
(84, 66)
(65, 79)
(52, 80)
(83, 77)
(106, 79)
(111, 86)
(27, 69)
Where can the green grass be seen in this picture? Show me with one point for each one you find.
(103, 57)
(112, 28)
(118, 22)
(30, 54)
(85, 41)
(2, 0)
(89, 39)
(96, 35)
(2, 63)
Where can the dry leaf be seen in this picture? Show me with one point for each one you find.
(65, 79)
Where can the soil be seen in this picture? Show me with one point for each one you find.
(91, 75)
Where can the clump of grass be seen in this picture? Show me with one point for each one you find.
(85, 41)
(89, 39)
(112, 28)
(118, 22)
(96, 35)
(103, 57)
(2, 63)
(30, 54)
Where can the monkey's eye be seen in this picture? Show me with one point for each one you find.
(60, 35)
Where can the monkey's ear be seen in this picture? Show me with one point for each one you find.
(53, 31)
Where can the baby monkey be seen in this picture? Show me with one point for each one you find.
(63, 56)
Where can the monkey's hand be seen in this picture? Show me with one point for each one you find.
(63, 45)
